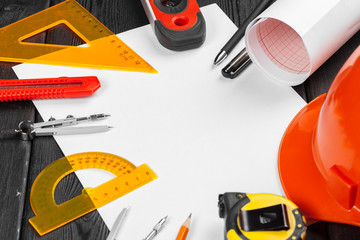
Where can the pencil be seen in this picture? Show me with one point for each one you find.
(184, 229)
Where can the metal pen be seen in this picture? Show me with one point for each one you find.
(230, 45)
(156, 229)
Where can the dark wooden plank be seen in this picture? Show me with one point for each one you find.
(338, 231)
(45, 151)
(317, 231)
(118, 16)
(320, 81)
(90, 226)
(15, 154)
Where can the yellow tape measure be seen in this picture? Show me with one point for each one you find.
(105, 50)
(50, 216)
(260, 216)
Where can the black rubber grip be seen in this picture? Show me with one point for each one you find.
(182, 40)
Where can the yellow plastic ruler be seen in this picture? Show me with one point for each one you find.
(104, 49)
(50, 216)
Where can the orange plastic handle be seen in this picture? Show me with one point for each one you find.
(44, 88)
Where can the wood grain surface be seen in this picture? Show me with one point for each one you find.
(22, 161)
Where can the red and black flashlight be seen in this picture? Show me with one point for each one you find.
(178, 24)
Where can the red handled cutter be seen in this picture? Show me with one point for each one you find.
(178, 24)
(44, 88)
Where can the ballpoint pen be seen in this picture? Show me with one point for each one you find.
(156, 229)
(229, 46)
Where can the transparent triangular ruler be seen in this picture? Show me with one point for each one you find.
(104, 49)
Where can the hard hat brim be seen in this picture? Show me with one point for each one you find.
(301, 179)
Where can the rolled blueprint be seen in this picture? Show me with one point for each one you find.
(292, 38)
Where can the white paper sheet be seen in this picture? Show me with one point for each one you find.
(203, 135)
(291, 39)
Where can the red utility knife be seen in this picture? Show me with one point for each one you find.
(43, 88)
(178, 24)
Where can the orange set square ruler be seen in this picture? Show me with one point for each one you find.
(104, 49)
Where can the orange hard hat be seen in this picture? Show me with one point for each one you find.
(319, 155)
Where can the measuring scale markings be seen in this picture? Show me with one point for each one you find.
(105, 50)
(50, 216)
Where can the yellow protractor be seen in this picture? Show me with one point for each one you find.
(260, 216)
(50, 216)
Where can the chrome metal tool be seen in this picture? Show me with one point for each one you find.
(27, 130)
(116, 227)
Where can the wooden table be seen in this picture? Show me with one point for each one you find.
(22, 161)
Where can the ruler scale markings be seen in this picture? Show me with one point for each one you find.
(50, 216)
(105, 50)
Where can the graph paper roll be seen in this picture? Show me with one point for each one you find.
(292, 38)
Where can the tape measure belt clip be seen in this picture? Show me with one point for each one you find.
(270, 218)
(260, 216)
